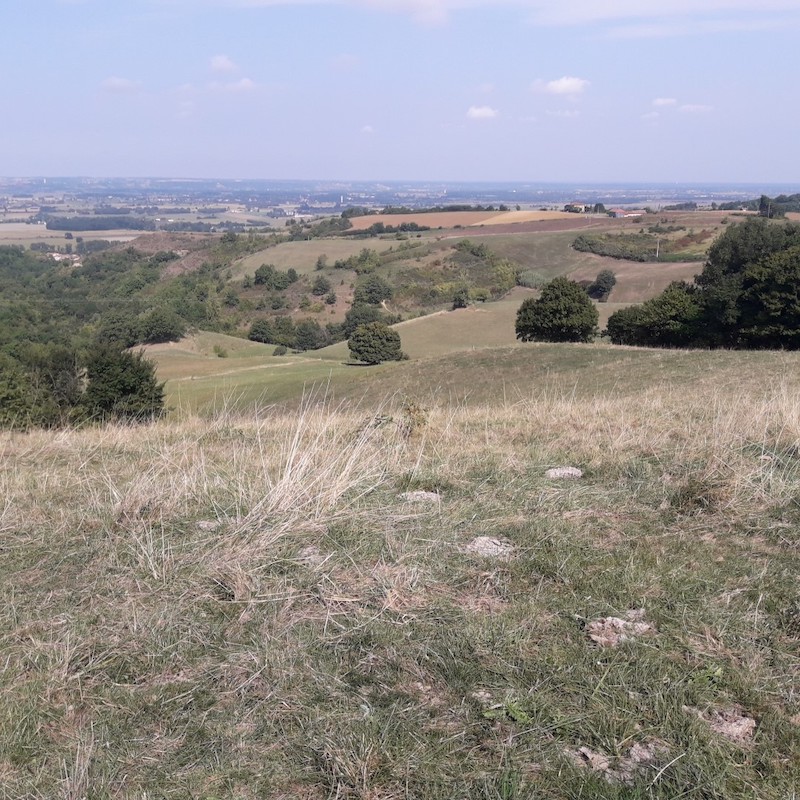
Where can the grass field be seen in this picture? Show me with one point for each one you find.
(250, 604)
(303, 255)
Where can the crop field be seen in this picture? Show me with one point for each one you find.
(394, 597)
(462, 219)
(20, 233)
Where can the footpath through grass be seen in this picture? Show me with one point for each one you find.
(252, 606)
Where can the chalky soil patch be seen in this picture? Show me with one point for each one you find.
(489, 547)
(612, 631)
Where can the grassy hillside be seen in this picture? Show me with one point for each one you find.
(251, 605)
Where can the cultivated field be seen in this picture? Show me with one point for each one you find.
(393, 599)
(20, 233)
(463, 219)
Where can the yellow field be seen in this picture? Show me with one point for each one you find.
(464, 219)
(20, 233)
(513, 217)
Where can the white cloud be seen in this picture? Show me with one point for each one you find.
(223, 64)
(482, 112)
(567, 86)
(660, 102)
(695, 108)
(367, 130)
(651, 116)
(486, 87)
(564, 113)
(242, 85)
(116, 85)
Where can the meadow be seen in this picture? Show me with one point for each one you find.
(379, 591)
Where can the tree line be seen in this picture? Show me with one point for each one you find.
(746, 297)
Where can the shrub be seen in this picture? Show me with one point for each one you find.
(261, 331)
(375, 342)
(563, 313)
(122, 386)
(602, 286)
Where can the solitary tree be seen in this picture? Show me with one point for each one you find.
(602, 286)
(563, 313)
(375, 342)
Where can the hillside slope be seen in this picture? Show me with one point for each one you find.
(253, 605)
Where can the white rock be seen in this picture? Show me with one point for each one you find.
(564, 472)
(421, 497)
(490, 547)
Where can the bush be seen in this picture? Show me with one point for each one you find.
(161, 325)
(602, 286)
(122, 386)
(373, 290)
(563, 313)
(260, 331)
(375, 342)
(668, 320)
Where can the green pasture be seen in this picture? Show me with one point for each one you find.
(303, 255)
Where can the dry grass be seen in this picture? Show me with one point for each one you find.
(245, 606)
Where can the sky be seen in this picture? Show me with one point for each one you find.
(430, 90)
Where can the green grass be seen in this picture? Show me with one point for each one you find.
(303, 255)
(244, 605)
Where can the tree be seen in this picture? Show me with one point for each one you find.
(261, 331)
(309, 335)
(563, 313)
(602, 286)
(769, 305)
(162, 324)
(122, 386)
(375, 342)
(721, 281)
(372, 290)
(320, 286)
(361, 314)
(16, 395)
(667, 320)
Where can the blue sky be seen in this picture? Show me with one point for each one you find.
(492, 90)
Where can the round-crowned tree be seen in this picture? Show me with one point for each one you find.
(563, 313)
(375, 342)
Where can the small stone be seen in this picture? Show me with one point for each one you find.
(310, 556)
(611, 631)
(490, 547)
(208, 524)
(558, 473)
(421, 497)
